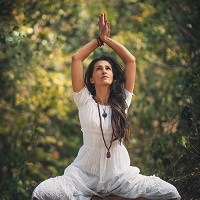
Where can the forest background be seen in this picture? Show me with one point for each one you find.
(39, 128)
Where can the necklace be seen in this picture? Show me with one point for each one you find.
(108, 154)
(104, 114)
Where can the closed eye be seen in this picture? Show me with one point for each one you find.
(98, 68)
(101, 68)
(108, 68)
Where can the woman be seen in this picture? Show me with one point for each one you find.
(102, 168)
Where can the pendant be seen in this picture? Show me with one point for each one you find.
(108, 155)
(104, 113)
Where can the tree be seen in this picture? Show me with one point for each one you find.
(39, 129)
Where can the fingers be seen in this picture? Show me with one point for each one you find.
(104, 16)
(100, 21)
(104, 25)
(101, 18)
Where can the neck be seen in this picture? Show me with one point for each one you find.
(102, 95)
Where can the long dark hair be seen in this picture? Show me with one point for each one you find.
(119, 119)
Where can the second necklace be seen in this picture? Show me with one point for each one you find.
(108, 154)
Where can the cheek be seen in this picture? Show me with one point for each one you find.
(94, 77)
(112, 76)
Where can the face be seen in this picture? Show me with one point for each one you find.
(102, 74)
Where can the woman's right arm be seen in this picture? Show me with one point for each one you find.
(77, 72)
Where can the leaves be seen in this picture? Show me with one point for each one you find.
(39, 128)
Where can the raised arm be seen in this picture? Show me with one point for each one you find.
(129, 61)
(122, 52)
(77, 72)
(78, 58)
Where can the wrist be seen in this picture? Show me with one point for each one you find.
(100, 41)
(103, 39)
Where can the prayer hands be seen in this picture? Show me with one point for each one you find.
(104, 26)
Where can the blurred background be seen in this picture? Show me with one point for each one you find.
(39, 128)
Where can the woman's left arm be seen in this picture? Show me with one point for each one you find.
(129, 62)
(128, 59)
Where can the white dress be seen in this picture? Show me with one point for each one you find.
(92, 173)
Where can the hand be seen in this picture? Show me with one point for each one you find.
(104, 26)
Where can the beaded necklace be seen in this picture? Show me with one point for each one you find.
(108, 154)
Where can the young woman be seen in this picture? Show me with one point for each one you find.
(102, 168)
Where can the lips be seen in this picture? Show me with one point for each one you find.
(104, 77)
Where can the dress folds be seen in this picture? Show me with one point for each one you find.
(92, 173)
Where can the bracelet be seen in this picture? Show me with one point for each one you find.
(100, 42)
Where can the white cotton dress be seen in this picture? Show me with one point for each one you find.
(92, 173)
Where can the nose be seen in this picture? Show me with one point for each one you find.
(104, 70)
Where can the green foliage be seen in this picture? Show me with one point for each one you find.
(39, 128)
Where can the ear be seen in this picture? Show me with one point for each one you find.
(91, 80)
